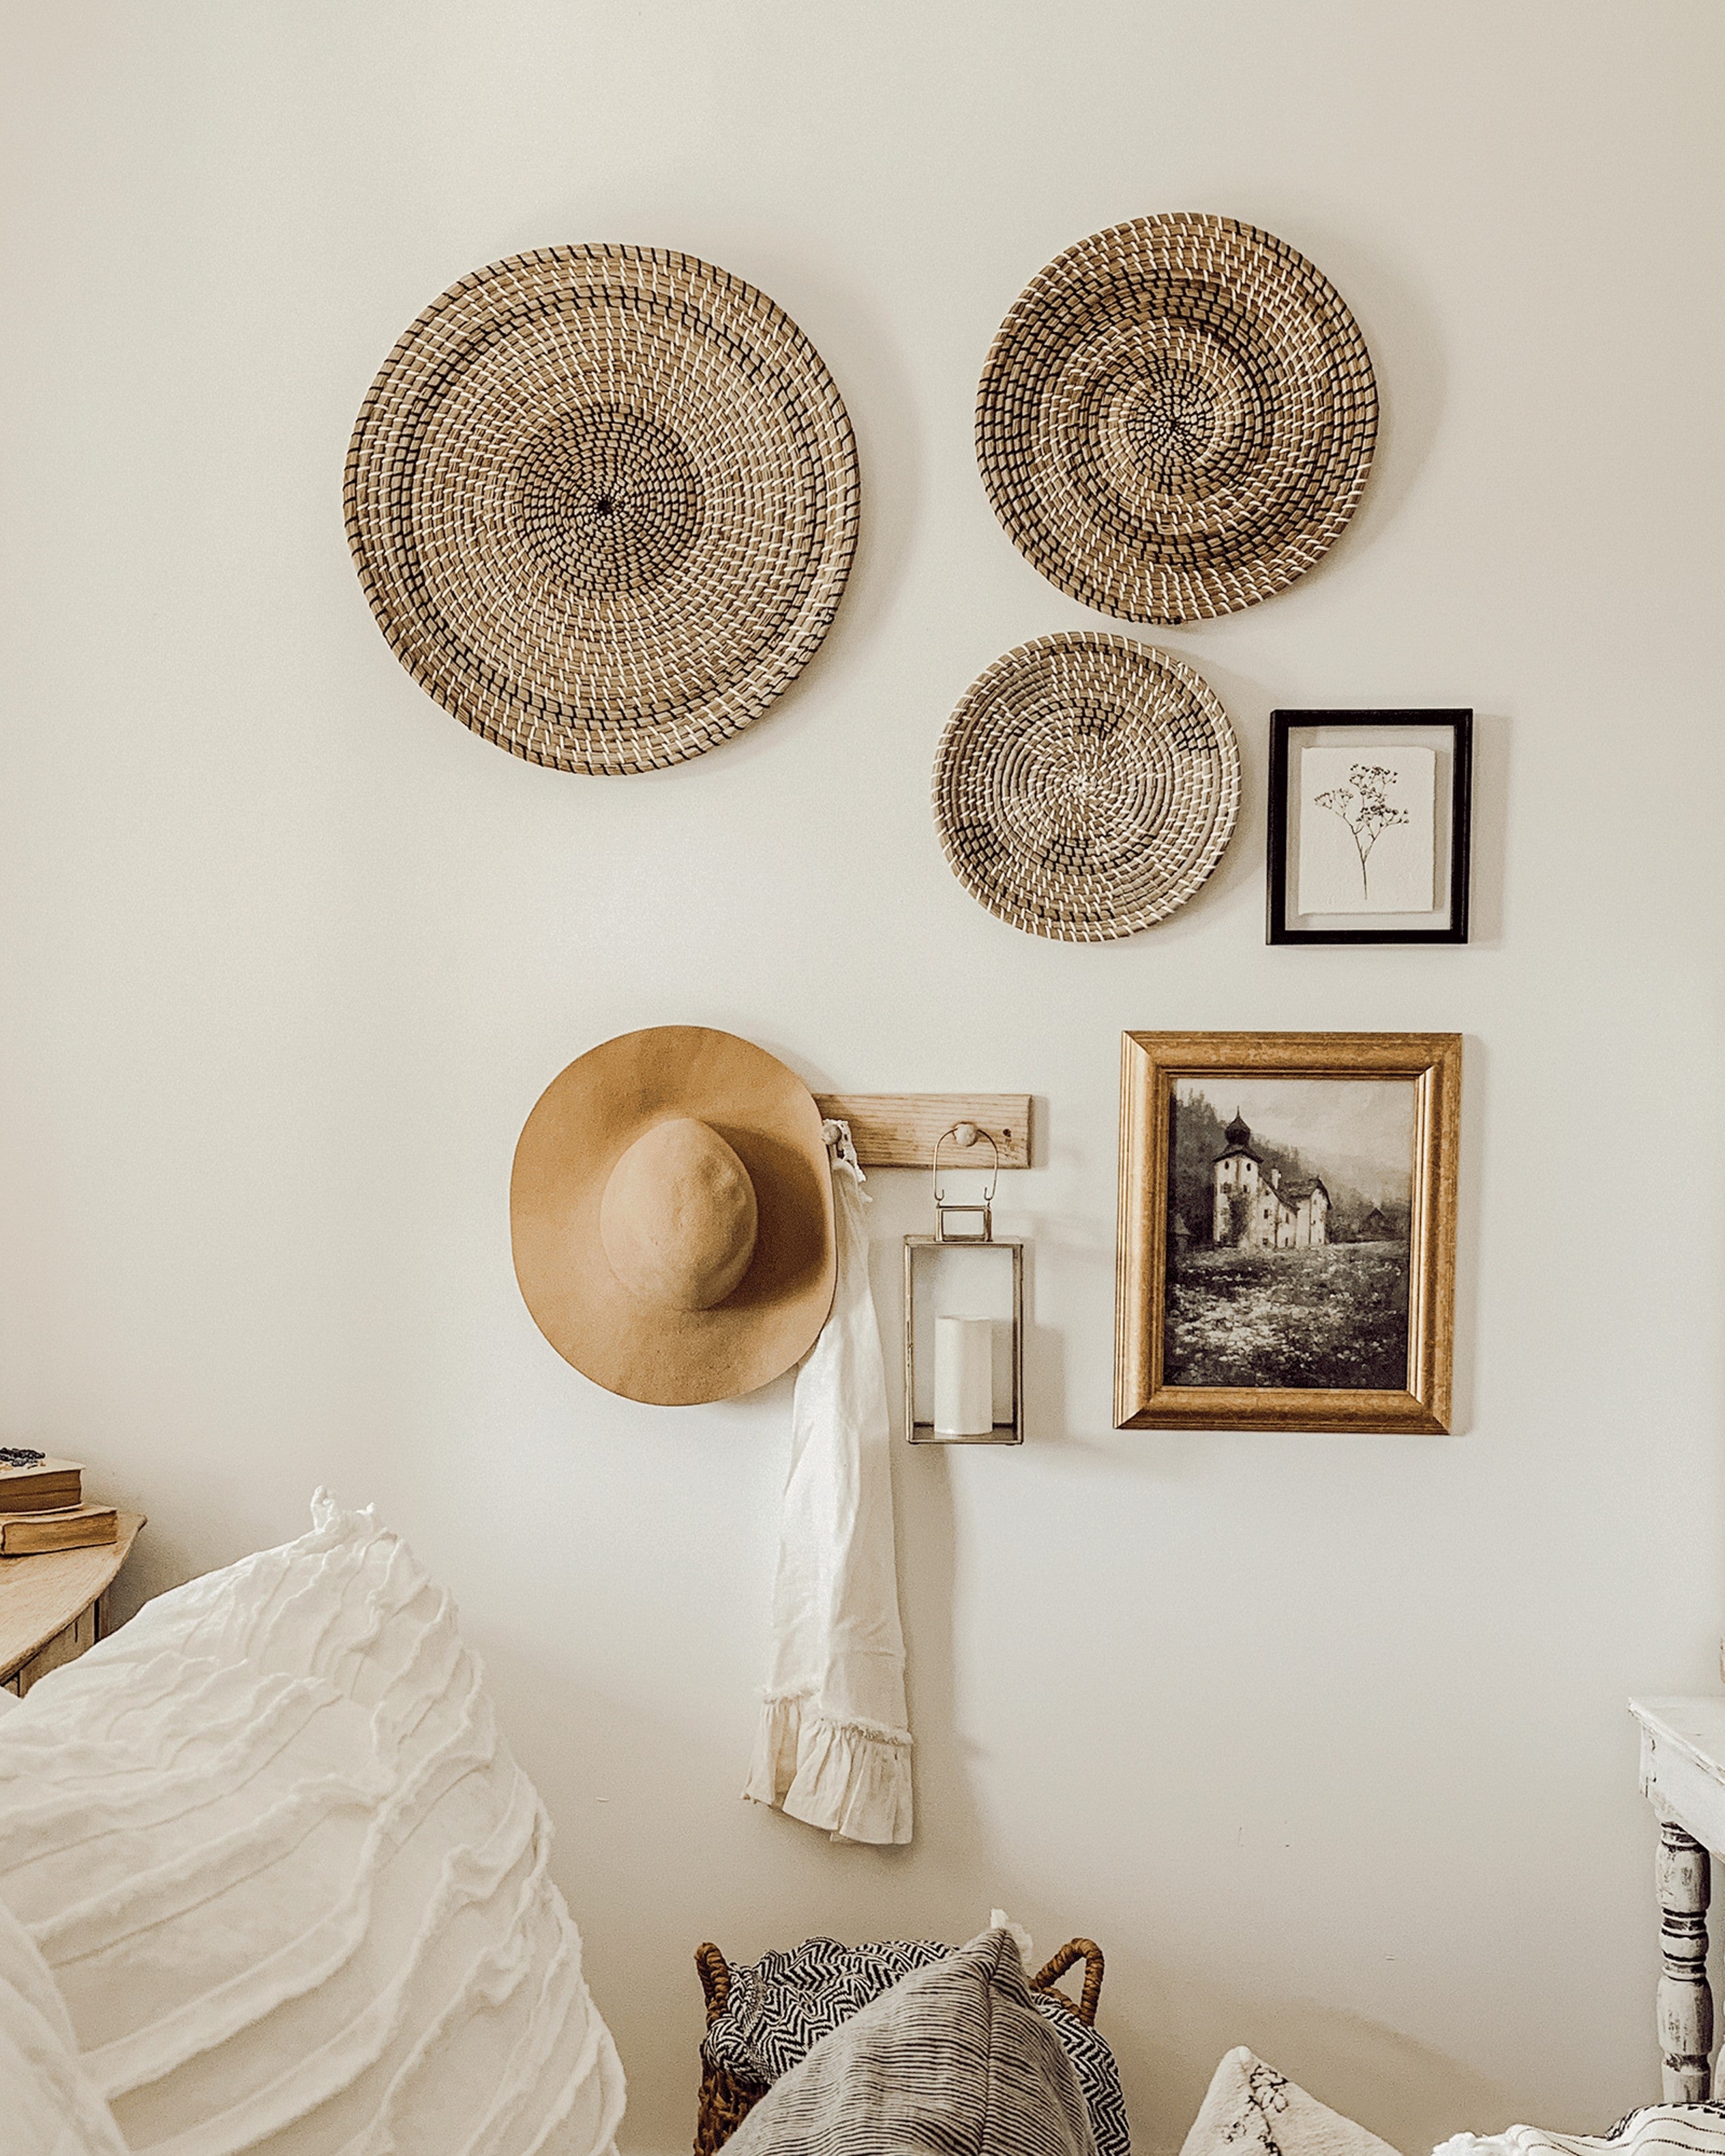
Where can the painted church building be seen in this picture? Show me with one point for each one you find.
(1255, 1209)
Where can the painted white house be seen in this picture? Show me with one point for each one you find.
(1255, 1209)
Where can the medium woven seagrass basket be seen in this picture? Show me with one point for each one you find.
(726, 2102)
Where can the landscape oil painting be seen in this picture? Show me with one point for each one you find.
(1286, 1248)
(1289, 1212)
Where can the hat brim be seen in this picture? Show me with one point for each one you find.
(583, 1122)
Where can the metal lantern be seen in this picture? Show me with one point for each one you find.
(972, 1378)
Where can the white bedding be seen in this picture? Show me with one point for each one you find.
(48, 2107)
(292, 1887)
(1661, 2129)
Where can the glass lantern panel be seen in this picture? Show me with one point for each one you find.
(951, 1281)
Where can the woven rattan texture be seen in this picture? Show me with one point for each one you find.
(1086, 787)
(1177, 419)
(604, 501)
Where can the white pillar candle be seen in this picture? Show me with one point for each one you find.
(963, 1377)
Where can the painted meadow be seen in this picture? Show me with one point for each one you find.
(1288, 1235)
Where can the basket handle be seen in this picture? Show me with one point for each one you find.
(715, 1974)
(1075, 1950)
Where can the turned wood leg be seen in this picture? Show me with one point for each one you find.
(1685, 2004)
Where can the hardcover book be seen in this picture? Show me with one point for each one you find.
(75, 1526)
(44, 1485)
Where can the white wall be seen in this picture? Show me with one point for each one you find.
(1324, 1738)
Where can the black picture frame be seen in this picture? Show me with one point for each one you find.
(1458, 724)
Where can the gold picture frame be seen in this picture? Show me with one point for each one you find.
(1154, 1067)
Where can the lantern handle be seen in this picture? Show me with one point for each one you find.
(964, 1134)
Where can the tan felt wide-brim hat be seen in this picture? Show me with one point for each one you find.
(693, 1096)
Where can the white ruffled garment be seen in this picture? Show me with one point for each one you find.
(833, 1748)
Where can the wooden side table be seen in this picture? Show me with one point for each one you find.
(55, 1606)
(1683, 1779)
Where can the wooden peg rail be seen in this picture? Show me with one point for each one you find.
(898, 1129)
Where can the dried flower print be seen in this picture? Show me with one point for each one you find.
(1364, 806)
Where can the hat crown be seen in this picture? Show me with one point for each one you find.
(678, 1217)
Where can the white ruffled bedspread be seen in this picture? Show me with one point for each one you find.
(292, 1887)
(48, 2106)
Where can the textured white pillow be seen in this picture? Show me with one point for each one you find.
(47, 2105)
(1251, 2110)
(291, 1885)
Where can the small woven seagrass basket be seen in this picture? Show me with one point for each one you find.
(726, 2102)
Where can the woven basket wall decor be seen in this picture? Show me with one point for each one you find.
(1177, 419)
(602, 500)
(1086, 787)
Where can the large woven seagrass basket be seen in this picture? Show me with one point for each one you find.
(726, 2102)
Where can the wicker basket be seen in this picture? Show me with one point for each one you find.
(726, 2102)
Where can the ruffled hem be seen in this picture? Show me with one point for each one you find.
(851, 1777)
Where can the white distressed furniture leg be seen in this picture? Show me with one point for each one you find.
(1685, 2004)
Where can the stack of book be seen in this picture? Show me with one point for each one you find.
(42, 1507)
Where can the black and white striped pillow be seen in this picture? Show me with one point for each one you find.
(779, 2008)
(955, 2060)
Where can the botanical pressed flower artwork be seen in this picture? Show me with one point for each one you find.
(1289, 1207)
(1368, 828)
